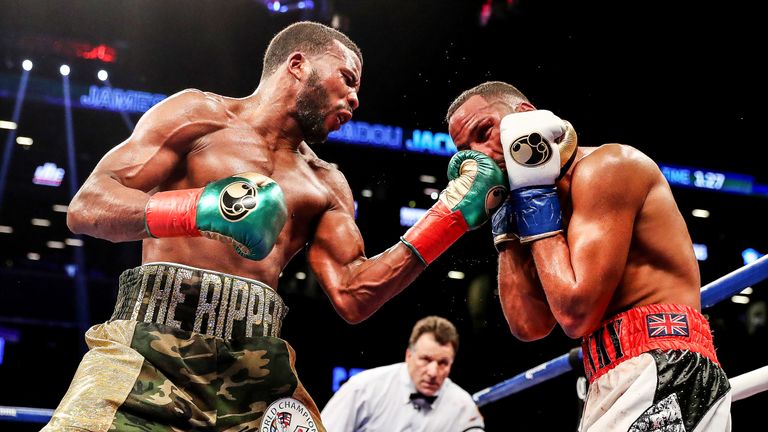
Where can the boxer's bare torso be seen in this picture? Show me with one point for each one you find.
(194, 138)
(311, 187)
(660, 267)
(625, 242)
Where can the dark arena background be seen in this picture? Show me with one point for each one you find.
(677, 80)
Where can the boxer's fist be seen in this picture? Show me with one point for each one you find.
(247, 210)
(538, 147)
(476, 189)
(529, 140)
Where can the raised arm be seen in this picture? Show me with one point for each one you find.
(111, 202)
(522, 298)
(523, 301)
(358, 286)
(580, 272)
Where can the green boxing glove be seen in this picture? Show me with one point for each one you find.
(247, 210)
(477, 187)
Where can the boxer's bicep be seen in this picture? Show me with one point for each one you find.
(161, 139)
(606, 203)
(110, 204)
(337, 248)
(599, 245)
(337, 245)
(580, 274)
(336, 255)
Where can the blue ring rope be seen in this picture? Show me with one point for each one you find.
(711, 294)
(23, 414)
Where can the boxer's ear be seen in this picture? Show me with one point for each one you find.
(525, 106)
(297, 65)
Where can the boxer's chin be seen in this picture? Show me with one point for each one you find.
(314, 129)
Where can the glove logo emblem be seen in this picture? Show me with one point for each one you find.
(494, 198)
(531, 150)
(237, 200)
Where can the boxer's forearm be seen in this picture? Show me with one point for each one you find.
(523, 301)
(106, 209)
(578, 302)
(360, 288)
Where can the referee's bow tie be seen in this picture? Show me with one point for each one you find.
(420, 396)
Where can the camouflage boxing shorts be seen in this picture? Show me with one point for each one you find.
(188, 349)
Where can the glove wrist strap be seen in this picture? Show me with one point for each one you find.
(537, 210)
(435, 232)
(172, 213)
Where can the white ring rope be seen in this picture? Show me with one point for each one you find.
(750, 383)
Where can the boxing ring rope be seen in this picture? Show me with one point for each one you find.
(23, 414)
(711, 294)
(743, 386)
(750, 383)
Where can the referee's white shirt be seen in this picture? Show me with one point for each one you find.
(378, 400)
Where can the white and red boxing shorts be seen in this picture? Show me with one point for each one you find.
(654, 368)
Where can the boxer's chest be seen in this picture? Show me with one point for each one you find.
(235, 151)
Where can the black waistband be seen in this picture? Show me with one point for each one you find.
(200, 301)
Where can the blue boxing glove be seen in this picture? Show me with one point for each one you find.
(538, 148)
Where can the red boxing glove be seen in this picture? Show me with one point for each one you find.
(477, 187)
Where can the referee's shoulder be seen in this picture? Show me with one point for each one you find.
(457, 392)
(376, 373)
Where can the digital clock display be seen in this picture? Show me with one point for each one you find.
(708, 179)
(697, 178)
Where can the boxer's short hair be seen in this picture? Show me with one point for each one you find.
(307, 37)
(443, 330)
(492, 91)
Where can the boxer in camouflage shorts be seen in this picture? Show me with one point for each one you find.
(161, 364)
(223, 192)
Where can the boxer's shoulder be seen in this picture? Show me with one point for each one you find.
(339, 192)
(189, 107)
(598, 162)
(207, 106)
(615, 153)
(325, 171)
(196, 99)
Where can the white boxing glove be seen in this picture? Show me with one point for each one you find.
(538, 149)
(529, 140)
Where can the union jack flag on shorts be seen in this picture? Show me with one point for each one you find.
(667, 324)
